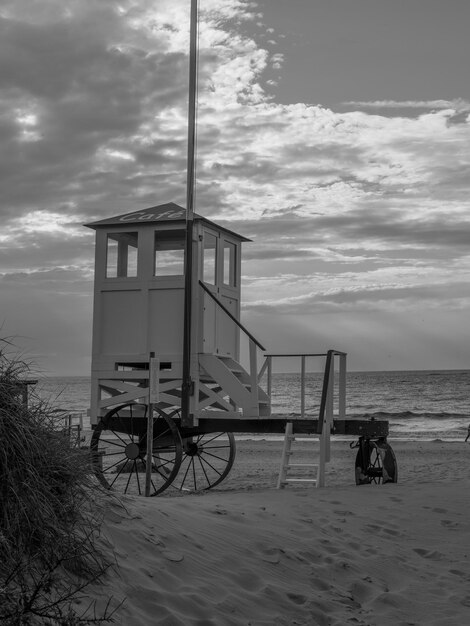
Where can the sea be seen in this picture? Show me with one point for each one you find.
(419, 405)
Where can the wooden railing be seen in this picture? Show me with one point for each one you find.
(254, 345)
(326, 402)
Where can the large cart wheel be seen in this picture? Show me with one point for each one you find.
(375, 462)
(207, 459)
(119, 450)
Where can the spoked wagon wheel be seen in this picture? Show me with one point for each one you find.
(375, 462)
(207, 459)
(119, 450)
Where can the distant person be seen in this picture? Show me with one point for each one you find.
(468, 433)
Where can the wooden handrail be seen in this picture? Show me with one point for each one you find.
(338, 352)
(324, 391)
(232, 317)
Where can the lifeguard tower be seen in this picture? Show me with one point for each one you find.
(138, 327)
(139, 306)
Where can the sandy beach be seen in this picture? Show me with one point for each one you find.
(247, 553)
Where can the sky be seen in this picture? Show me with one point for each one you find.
(334, 133)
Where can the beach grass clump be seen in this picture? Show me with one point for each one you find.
(50, 512)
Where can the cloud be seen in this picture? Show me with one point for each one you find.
(458, 104)
(374, 297)
(93, 119)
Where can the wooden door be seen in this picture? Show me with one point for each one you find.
(220, 274)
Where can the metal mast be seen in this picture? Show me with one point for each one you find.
(188, 258)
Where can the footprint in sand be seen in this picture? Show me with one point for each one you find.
(384, 530)
(219, 511)
(271, 555)
(297, 598)
(175, 557)
(392, 532)
(320, 585)
(155, 540)
(434, 555)
(364, 591)
(247, 580)
(447, 523)
(459, 573)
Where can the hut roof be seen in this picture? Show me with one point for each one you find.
(169, 212)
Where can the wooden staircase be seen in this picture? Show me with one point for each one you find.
(225, 385)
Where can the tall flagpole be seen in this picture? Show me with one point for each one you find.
(187, 386)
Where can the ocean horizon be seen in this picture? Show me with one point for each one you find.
(418, 404)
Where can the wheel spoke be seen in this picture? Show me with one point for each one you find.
(137, 476)
(118, 474)
(162, 461)
(132, 422)
(110, 467)
(194, 474)
(144, 462)
(160, 464)
(211, 466)
(116, 434)
(161, 474)
(215, 456)
(114, 454)
(204, 470)
(131, 471)
(115, 416)
(113, 443)
(216, 436)
(186, 472)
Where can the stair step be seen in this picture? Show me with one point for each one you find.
(299, 480)
(303, 465)
(232, 364)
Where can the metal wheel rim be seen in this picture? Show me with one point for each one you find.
(110, 449)
(375, 472)
(209, 465)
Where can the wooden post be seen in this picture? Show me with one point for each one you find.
(154, 367)
(285, 455)
(329, 409)
(254, 378)
(302, 386)
(342, 387)
(187, 386)
(270, 376)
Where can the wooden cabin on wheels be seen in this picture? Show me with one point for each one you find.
(139, 296)
(138, 363)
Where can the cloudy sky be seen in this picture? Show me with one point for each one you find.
(334, 133)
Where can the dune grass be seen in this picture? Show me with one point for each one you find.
(50, 512)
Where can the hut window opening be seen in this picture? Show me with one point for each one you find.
(121, 255)
(209, 262)
(169, 253)
(230, 251)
